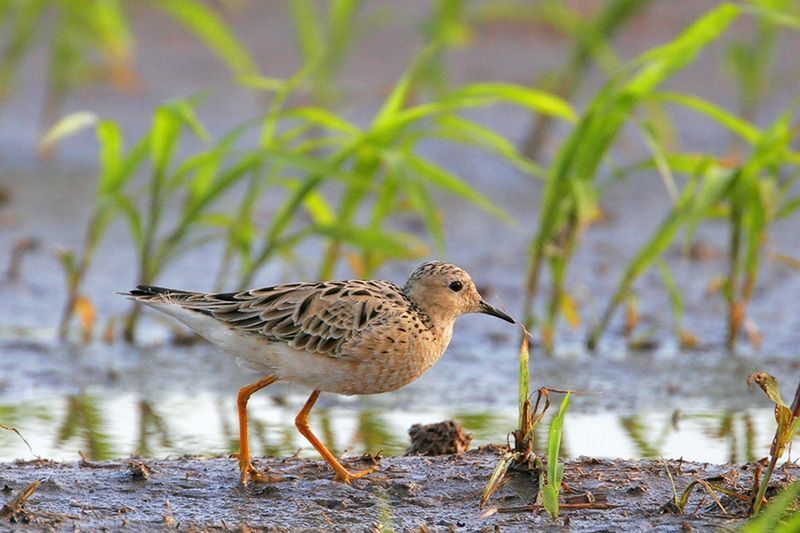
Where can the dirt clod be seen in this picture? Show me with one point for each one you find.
(442, 438)
(139, 471)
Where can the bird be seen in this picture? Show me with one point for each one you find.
(346, 337)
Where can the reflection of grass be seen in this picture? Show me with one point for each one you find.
(84, 420)
(374, 433)
(636, 429)
(151, 425)
(157, 430)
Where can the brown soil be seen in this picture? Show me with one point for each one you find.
(408, 493)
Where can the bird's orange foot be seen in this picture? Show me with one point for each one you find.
(347, 477)
(249, 473)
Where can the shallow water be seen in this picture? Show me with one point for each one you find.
(105, 426)
(161, 400)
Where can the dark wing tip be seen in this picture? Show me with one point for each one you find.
(148, 291)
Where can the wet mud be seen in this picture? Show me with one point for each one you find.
(408, 493)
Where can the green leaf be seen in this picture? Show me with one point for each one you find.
(451, 183)
(395, 244)
(213, 31)
(322, 118)
(134, 217)
(111, 157)
(20, 40)
(550, 500)
(771, 518)
(736, 125)
(308, 28)
(164, 138)
(262, 83)
(496, 92)
(319, 209)
(555, 470)
(459, 129)
(420, 198)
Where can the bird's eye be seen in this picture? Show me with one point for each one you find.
(456, 286)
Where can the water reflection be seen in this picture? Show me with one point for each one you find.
(100, 426)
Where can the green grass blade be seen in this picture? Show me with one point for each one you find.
(109, 134)
(111, 29)
(535, 100)
(396, 100)
(448, 181)
(736, 125)
(19, 43)
(308, 28)
(555, 470)
(472, 96)
(213, 31)
(164, 138)
(423, 203)
(770, 518)
(675, 297)
(322, 118)
(461, 130)
(396, 244)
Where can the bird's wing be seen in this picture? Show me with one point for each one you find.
(315, 317)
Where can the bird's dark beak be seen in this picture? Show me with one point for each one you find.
(491, 310)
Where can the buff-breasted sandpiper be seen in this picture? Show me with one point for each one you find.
(347, 337)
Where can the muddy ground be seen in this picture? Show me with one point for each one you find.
(408, 493)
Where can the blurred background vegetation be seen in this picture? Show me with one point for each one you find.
(343, 183)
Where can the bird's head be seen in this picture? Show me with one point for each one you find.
(445, 292)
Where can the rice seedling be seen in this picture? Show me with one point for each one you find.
(448, 26)
(750, 61)
(383, 158)
(380, 171)
(377, 168)
(324, 38)
(114, 197)
(92, 40)
(753, 195)
(788, 421)
(592, 36)
(117, 167)
(780, 516)
(522, 456)
(555, 470)
(570, 197)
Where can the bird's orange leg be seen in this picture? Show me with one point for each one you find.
(246, 468)
(342, 474)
